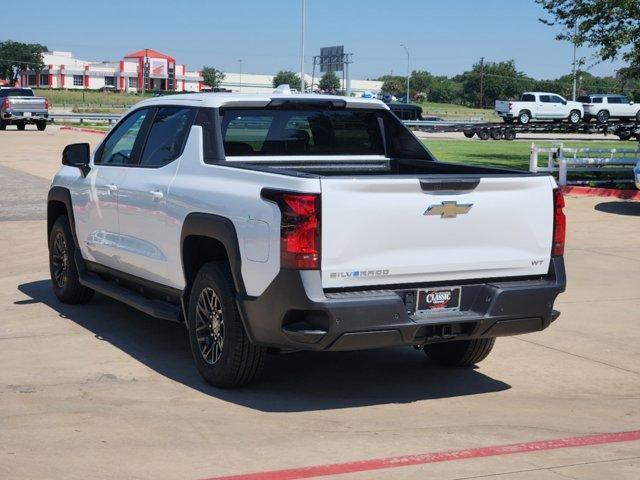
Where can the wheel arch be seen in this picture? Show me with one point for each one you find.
(58, 204)
(207, 237)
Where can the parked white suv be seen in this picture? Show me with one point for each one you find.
(539, 106)
(604, 107)
(299, 222)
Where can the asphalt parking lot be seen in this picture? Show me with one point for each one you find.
(102, 391)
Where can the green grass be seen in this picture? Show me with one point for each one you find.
(448, 110)
(516, 155)
(70, 98)
(501, 153)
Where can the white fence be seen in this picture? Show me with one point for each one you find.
(583, 160)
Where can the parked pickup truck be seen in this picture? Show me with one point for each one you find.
(293, 222)
(539, 106)
(604, 107)
(19, 107)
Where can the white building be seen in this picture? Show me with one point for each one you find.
(62, 70)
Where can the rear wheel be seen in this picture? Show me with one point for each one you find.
(524, 117)
(62, 266)
(223, 353)
(20, 126)
(602, 116)
(638, 117)
(3, 125)
(468, 133)
(42, 125)
(624, 134)
(510, 134)
(496, 134)
(484, 134)
(460, 353)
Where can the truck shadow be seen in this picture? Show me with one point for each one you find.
(620, 207)
(294, 382)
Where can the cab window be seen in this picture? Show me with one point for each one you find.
(167, 136)
(118, 148)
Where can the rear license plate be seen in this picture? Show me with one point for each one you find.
(438, 299)
(26, 114)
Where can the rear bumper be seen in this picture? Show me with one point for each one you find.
(295, 313)
(18, 117)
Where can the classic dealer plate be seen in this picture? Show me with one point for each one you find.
(431, 300)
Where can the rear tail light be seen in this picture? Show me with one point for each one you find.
(7, 105)
(299, 228)
(559, 224)
(510, 105)
(46, 104)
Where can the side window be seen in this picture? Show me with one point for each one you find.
(557, 99)
(546, 99)
(167, 135)
(528, 98)
(118, 148)
(614, 100)
(597, 100)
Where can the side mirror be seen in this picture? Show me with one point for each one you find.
(564, 102)
(631, 102)
(77, 155)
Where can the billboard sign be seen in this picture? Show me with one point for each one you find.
(332, 59)
(158, 68)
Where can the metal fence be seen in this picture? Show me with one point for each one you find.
(563, 161)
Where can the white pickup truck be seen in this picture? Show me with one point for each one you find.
(297, 222)
(19, 107)
(604, 107)
(539, 106)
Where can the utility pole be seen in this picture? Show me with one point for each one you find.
(481, 81)
(575, 77)
(240, 62)
(302, 50)
(408, 70)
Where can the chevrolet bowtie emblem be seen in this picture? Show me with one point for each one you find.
(448, 209)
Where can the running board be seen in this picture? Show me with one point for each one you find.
(155, 308)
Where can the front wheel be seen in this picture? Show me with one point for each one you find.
(460, 353)
(574, 117)
(224, 355)
(62, 266)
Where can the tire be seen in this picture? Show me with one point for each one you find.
(524, 117)
(468, 133)
(460, 353)
(574, 117)
(510, 134)
(624, 135)
(3, 125)
(638, 117)
(62, 267)
(41, 126)
(224, 355)
(484, 134)
(602, 116)
(496, 134)
(21, 126)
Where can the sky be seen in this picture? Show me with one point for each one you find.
(445, 37)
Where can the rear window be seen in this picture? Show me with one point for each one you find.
(264, 131)
(527, 97)
(16, 92)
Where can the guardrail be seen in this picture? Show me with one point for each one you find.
(592, 160)
(81, 117)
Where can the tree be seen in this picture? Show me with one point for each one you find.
(420, 82)
(329, 81)
(212, 77)
(16, 56)
(487, 82)
(611, 26)
(287, 77)
(445, 90)
(394, 84)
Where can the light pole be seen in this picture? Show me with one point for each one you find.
(575, 34)
(302, 51)
(407, 52)
(240, 62)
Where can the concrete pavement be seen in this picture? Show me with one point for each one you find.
(101, 391)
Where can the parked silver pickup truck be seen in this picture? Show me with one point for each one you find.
(18, 106)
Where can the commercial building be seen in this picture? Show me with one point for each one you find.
(155, 71)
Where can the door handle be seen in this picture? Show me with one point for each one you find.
(111, 188)
(157, 195)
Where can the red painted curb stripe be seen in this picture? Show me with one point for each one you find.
(424, 458)
(84, 130)
(602, 192)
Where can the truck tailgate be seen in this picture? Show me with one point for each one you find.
(27, 104)
(389, 231)
(502, 106)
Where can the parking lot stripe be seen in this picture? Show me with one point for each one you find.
(436, 457)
